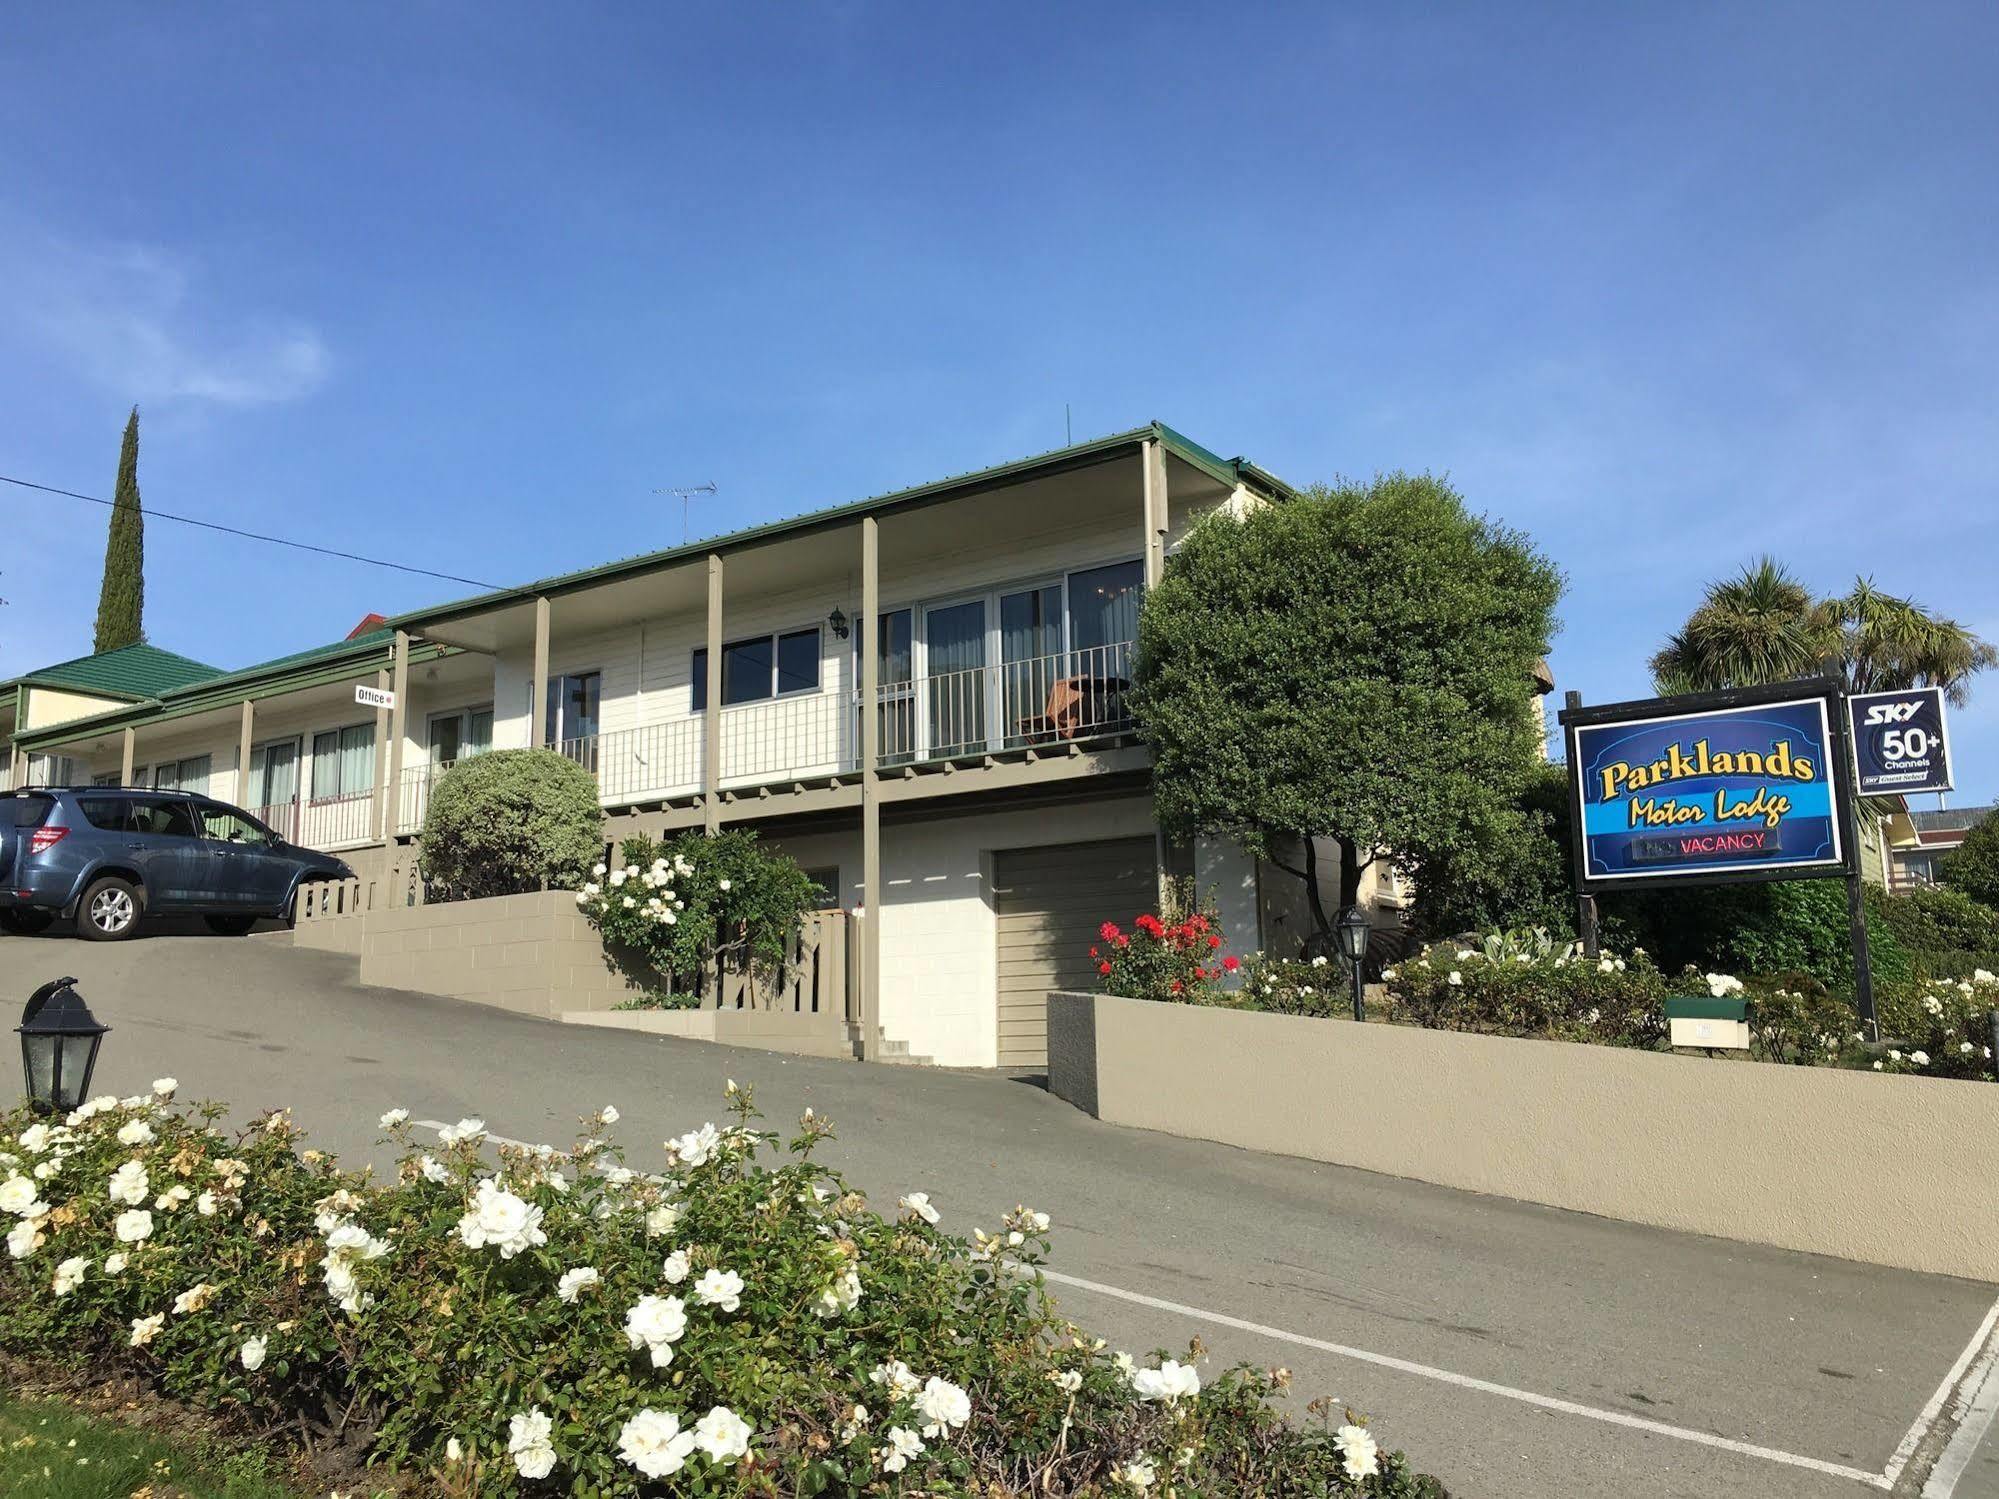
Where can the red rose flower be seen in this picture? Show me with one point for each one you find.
(1231, 962)
(1103, 968)
(1213, 942)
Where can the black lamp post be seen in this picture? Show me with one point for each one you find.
(59, 1040)
(1354, 930)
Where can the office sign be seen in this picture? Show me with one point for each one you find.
(1699, 789)
(374, 697)
(1900, 744)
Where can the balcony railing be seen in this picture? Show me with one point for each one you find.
(336, 821)
(1035, 702)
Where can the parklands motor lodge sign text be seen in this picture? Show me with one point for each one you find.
(1720, 792)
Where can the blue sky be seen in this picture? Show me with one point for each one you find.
(462, 285)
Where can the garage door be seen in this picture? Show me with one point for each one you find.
(1051, 902)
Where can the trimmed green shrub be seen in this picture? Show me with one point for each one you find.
(1789, 927)
(699, 900)
(1973, 866)
(1940, 919)
(1513, 988)
(531, 1322)
(1941, 1028)
(511, 821)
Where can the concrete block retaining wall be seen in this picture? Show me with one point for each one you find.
(534, 954)
(1892, 1170)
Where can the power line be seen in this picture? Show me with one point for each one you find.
(279, 541)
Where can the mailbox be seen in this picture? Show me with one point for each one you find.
(1715, 1024)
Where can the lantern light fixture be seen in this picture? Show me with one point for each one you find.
(59, 1041)
(1354, 930)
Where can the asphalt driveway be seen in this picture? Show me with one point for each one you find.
(1514, 1350)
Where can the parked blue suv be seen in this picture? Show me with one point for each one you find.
(108, 855)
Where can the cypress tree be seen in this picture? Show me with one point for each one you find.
(121, 602)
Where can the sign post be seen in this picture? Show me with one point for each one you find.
(1716, 788)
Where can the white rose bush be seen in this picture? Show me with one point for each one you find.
(503, 1320)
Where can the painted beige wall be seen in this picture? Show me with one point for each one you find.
(1891, 1170)
(51, 705)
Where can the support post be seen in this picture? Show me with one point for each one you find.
(1856, 878)
(398, 723)
(17, 767)
(871, 824)
(1585, 904)
(538, 680)
(381, 809)
(129, 754)
(246, 728)
(1863, 966)
(711, 722)
(1155, 512)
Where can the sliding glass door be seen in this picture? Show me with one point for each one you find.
(955, 677)
(1030, 640)
(273, 786)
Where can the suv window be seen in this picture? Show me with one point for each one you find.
(164, 818)
(30, 811)
(113, 814)
(231, 826)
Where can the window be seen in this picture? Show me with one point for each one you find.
(1103, 607)
(182, 775)
(343, 763)
(111, 814)
(232, 827)
(759, 668)
(827, 892)
(574, 706)
(164, 817)
(30, 811)
(109, 778)
(460, 735)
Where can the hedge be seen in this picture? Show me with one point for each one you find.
(509, 822)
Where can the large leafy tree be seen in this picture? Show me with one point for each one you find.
(1355, 665)
(121, 599)
(1973, 866)
(1764, 625)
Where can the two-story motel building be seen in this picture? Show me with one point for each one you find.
(919, 696)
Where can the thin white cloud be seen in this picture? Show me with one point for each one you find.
(140, 322)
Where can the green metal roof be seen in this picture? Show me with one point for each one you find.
(1229, 471)
(132, 671)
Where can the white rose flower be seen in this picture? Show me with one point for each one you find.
(114, 1264)
(723, 1435)
(24, 1238)
(137, 1132)
(1139, 1473)
(840, 1297)
(574, 1283)
(133, 1226)
(903, 1444)
(498, 1218)
(1721, 985)
(433, 1171)
(454, 1451)
(609, 1114)
(144, 1329)
(675, 1269)
(1454, 978)
(722, 885)
(206, 1204)
(1068, 1381)
(35, 1139)
(895, 1376)
(599, 870)
(719, 1288)
(464, 1129)
(251, 1354)
(130, 1184)
(656, 1323)
(193, 1299)
(394, 1117)
(18, 1194)
(529, 1441)
(653, 1442)
(660, 1220)
(69, 1274)
(917, 1205)
(943, 1406)
(165, 1087)
(1357, 1451)
(697, 1147)
(1920, 1058)
(1171, 1381)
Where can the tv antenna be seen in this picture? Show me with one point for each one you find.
(687, 494)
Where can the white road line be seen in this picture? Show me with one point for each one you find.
(1926, 1421)
(1484, 1386)
(1979, 1402)
(437, 1126)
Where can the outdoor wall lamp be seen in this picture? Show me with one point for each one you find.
(1354, 929)
(837, 622)
(59, 1040)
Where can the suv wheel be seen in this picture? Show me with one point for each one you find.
(225, 925)
(109, 910)
(24, 921)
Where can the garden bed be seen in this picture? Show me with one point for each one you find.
(1894, 1170)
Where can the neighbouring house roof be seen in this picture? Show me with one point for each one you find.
(131, 672)
(370, 622)
(1949, 819)
(1230, 471)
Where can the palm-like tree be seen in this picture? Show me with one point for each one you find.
(1764, 626)
(1761, 626)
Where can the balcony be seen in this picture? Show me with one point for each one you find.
(1016, 709)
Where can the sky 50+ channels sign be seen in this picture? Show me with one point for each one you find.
(1726, 791)
(1900, 743)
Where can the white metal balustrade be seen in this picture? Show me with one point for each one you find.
(1039, 701)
